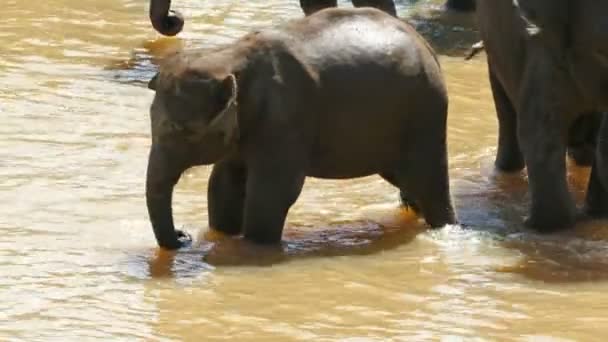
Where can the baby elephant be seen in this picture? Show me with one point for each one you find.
(340, 94)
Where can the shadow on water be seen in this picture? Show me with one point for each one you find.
(576, 255)
(579, 255)
(139, 68)
(498, 207)
(493, 207)
(393, 230)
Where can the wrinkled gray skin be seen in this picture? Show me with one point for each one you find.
(548, 63)
(340, 94)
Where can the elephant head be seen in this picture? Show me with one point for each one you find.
(164, 22)
(194, 122)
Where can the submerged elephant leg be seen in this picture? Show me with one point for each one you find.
(542, 136)
(387, 6)
(311, 6)
(596, 202)
(273, 186)
(423, 171)
(582, 138)
(406, 199)
(226, 197)
(508, 157)
(426, 179)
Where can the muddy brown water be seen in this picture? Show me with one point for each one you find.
(78, 260)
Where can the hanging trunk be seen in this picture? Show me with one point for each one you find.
(163, 22)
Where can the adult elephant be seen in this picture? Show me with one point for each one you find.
(169, 22)
(548, 66)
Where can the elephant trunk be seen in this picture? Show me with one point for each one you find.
(163, 22)
(162, 175)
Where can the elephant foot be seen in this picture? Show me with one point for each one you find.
(553, 220)
(184, 239)
(582, 155)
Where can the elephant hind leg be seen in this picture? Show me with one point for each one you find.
(226, 197)
(311, 6)
(406, 199)
(425, 178)
(422, 174)
(508, 157)
(596, 201)
(582, 138)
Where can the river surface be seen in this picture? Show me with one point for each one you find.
(78, 260)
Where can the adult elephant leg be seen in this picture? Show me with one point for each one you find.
(311, 6)
(596, 203)
(226, 197)
(542, 135)
(387, 6)
(508, 157)
(461, 5)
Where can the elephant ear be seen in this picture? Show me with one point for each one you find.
(226, 121)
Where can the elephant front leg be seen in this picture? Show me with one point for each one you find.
(226, 197)
(272, 188)
(508, 157)
(311, 6)
(387, 6)
(542, 137)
